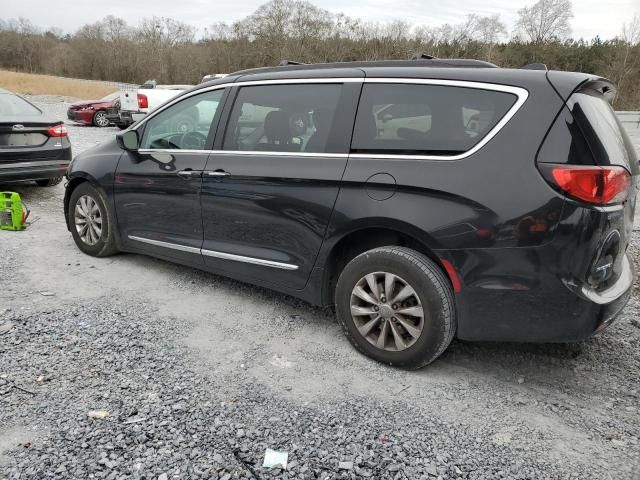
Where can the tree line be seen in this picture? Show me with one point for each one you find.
(171, 51)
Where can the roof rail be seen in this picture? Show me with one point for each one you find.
(534, 66)
(284, 63)
(422, 56)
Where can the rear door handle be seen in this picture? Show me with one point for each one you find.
(216, 173)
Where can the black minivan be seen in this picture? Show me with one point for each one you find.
(425, 199)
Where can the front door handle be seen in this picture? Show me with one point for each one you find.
(188, 173)
(217, 173)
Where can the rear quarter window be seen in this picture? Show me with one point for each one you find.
(606, 137)
(426, 119)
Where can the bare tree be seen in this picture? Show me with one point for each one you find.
(171, 52)
(545, 20)
(631, 31)
(489, 30)
(625, 61)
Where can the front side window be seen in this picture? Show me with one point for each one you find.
(426, 119)
(283, 118)
(184, 125)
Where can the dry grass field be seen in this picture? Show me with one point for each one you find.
(33, 84)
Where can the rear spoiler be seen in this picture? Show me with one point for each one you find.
(566, 83)
(601, 85)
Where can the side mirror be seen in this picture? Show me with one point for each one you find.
(129, 140)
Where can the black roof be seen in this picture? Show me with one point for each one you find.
(447, 69)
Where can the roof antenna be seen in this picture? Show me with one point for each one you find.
(284, 63)
(422, 56)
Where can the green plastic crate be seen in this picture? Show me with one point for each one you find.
(13, 213)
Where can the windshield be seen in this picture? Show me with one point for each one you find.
(11, 104)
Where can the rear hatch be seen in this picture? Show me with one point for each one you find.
(599, 171)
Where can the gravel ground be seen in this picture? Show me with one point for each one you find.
(198, 375)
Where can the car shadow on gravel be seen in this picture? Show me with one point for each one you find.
(513, 359)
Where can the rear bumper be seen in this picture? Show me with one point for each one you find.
(615, 291)
(127, 117)
(524, 299)
(33, 170)
(611, 311)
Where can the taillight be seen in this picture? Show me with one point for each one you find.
(599, 185)
(143, 101)
(58, 131)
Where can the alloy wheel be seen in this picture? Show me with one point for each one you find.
(88, 220)
(101, 119)
(387, 311)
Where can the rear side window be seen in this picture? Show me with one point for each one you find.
(14, 105)
(283, 118)
(426, 119)
(605, 135)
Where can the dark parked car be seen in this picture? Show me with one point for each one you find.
(424, 199)
(33, 146)
(93, 112)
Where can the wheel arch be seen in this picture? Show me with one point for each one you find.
(73, 183)
(369, 234)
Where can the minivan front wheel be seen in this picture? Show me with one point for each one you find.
(91, 222)
(396, 306)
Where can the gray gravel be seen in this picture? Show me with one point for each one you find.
(200, 374)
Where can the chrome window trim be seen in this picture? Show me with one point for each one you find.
(281, 154)
(521, 94)
(150, 151)
(215, 254)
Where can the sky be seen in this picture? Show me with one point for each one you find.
(591, 17)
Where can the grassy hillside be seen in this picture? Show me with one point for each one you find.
(33, 84)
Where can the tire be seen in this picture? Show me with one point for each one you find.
(431, 289)
(49, 182)
(100, 119)
(122, 126)
(97, 245)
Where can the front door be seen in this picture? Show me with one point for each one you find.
(157, 188)
(269, 187)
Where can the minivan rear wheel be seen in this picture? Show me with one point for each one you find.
(91, 222)
(396, 306)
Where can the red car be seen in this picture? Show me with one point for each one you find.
(93, 112)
